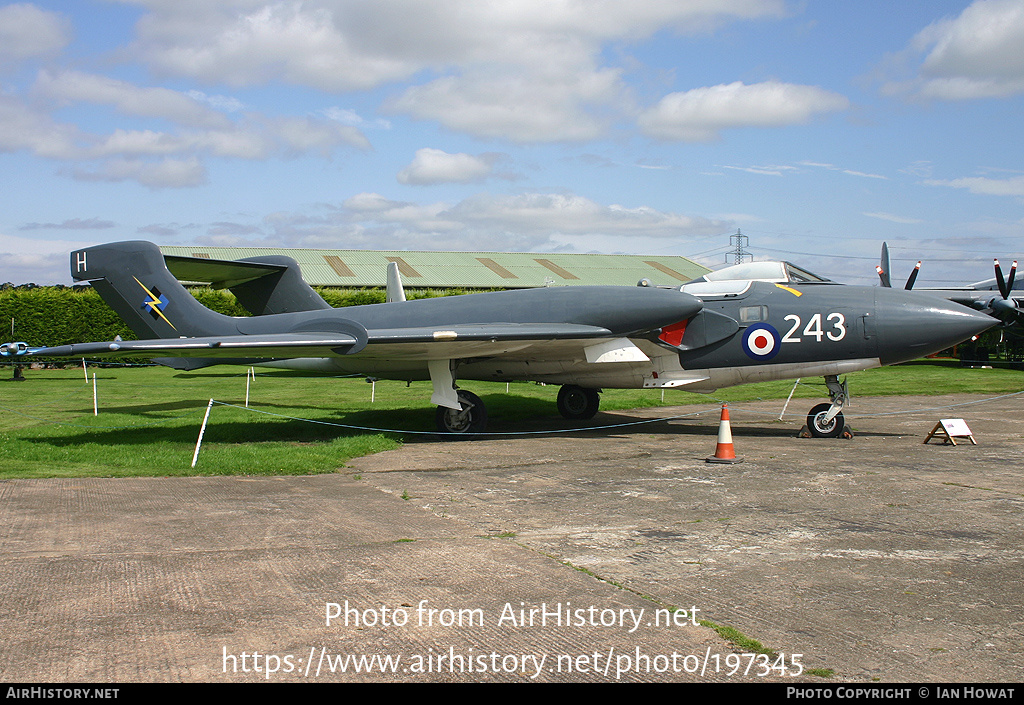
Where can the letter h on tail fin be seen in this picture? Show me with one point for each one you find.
(133, 279)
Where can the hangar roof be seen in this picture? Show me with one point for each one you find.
(466, 270)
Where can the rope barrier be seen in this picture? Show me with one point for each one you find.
(660, 419)
(733, 407)
(475, 435)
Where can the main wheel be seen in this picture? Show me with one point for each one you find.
(820, 428)
(577, 402)
(471, 419)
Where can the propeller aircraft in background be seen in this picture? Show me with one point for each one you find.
(996, 297)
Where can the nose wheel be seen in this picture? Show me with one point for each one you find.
(821, 426)
(470, 419)
(826, 420)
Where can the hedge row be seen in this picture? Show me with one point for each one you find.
(63, 315)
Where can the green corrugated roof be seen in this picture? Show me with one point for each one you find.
(468, 270)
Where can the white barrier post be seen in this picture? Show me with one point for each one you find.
(786, 405)
(202, 430)
(95, 406)
(85, 371)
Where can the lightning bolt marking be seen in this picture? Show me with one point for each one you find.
(153, 303)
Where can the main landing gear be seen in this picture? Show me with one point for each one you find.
(826, 420)
(577, 403)
(472, 418)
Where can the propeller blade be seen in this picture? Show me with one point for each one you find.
(883, 267)
(1000, 282)
(913, 276)
(1009, 279)
(883, 277)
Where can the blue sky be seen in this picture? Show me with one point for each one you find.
(639, 126)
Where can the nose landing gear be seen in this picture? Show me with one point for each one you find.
(826, 420)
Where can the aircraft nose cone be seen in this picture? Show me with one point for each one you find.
(914, 325)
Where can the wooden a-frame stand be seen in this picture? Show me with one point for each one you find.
(951, 429)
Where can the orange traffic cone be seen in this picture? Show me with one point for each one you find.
(724, 452)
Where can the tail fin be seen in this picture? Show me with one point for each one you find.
(133, 279)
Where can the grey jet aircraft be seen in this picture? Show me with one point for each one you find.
(739, 325)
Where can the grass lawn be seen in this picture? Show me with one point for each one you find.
(149, 417)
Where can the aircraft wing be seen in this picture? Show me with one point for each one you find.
(256, 346)
(466, 340)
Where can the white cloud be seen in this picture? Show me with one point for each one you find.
(527, 70)
(204, 133)
(373, 209)
(524, 107)
(700, 114)
(762, 170)
(71, 224)
(26, 32)
(78, 87)
(308, 44)
(975, 55)
(524, 222)
(784, 170)
(434, 166)
(353, 44)
(562, 213)
(225, 103)
(531, 213)
(256, 138)
(302, 134)
(849, 172)
(354, 119)
(46, 259)
(894, 218)
(166, 173)
(22, 127)
(864, 174)
(984, 185)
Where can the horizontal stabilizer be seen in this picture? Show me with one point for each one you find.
(219, 273)
(263, 285)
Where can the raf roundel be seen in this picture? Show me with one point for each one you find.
(761, 341)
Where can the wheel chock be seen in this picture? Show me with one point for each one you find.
(805, 432)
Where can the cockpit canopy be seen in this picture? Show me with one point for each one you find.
(775, 272)
(735, 280)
